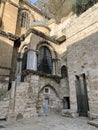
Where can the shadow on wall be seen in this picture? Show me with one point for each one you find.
(5, 58)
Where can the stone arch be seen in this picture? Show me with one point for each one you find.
(48, 100)
(22, 48)
(64, 71)
(47, 44)
(53, 53)
(22, 56)
(48, 85)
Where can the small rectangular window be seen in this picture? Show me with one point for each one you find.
(46, 90)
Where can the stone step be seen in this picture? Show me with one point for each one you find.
(93, 122)
(69, 113)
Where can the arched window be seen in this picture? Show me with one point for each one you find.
(64, 71)
(25, 21)
(45, 63)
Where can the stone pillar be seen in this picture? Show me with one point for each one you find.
(12, 80)
(32, 60)
(73, 99)
(11, 111)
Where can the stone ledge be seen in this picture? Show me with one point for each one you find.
(93, 122)
(69, 113)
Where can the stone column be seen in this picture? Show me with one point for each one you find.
(12, 80)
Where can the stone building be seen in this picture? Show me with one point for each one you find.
(47, 67)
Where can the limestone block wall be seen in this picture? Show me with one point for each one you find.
(81, 47)
(76, 27)
(24, 101)
(28, 98)
(9, 18)
(4, 107)
(4, 100)
(82, 55)
(39, 83)
(6, 47)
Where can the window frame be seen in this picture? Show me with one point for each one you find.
(25, 19)
(48, 90)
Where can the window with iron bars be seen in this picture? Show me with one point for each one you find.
(45, 62)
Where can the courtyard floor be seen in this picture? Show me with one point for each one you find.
(53, 122)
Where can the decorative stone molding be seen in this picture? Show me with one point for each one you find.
(40, 34)
(8, 35)
(14, 4)
(55, 77)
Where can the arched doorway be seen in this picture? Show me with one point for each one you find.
(49, 101)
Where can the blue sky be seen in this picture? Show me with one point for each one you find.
(33, 1)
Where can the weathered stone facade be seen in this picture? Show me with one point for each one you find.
(40, 72)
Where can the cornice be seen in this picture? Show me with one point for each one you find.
(13, 37)
(12, 3)
(40, 34)
(8, 35)
(41, 74)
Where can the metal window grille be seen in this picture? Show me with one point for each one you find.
(45, 63)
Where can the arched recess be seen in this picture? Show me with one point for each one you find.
(24, 63)
(50, 86)
(51, 48)
(48, 101)
(47, 57)
(64, 71)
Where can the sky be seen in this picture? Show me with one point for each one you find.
(33, 1)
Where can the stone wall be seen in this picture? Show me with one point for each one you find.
(4, 100)
(25, 102)
(28, 98)
(5, 56)
(81, 44)
(9, 17)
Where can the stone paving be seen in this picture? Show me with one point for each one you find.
(53, 122)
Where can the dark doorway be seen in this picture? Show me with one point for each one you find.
(82, 97)
(66, 103)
